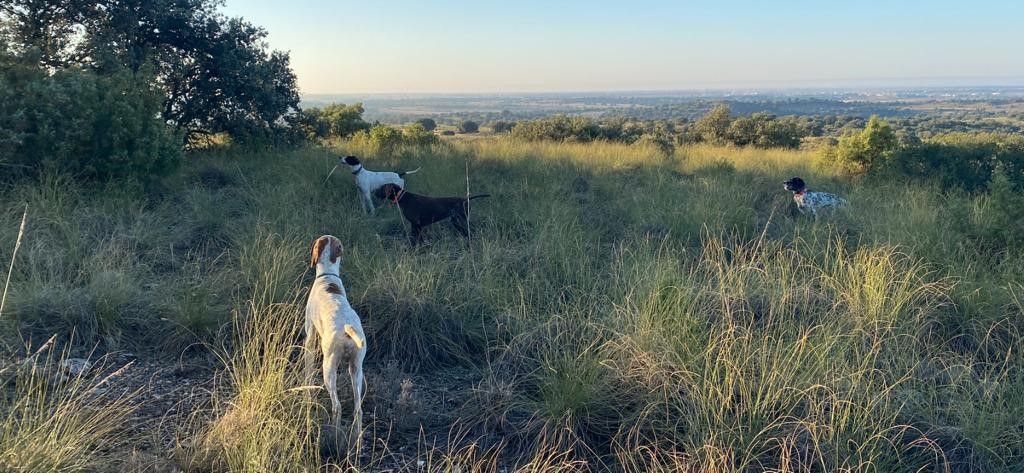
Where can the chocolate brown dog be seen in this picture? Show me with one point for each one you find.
(420, 210)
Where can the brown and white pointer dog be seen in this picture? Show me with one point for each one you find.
(420, 210)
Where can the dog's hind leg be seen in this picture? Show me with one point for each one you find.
(355, 371)
(309, 352)
(331, 383)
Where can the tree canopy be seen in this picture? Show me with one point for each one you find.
(216, 73)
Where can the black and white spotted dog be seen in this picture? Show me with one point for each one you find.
(369, 181)
(809, 201)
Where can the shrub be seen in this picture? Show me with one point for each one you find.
(866, 150)
(427, 123)
(417, 135)
(469, 126)
(84, 124)
(779, 133)
(661, 142)
(334, 121)
(714, 126)
(963, 160)
(1007, 211)
(557, 128)
(384, 137)
(502, 126)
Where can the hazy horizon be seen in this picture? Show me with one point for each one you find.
(452, 47)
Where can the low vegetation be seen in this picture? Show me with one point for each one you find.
(637, 295)
(615, 308)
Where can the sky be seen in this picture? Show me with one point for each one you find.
(516, 46)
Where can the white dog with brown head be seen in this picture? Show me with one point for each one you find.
(330, 317)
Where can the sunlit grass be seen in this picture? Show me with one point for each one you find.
(618, 309)
(54, 421)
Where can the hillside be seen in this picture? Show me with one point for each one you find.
(614, 309)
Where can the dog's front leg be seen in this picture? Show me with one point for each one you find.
(368, 203)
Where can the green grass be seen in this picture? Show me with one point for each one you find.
(616, 309)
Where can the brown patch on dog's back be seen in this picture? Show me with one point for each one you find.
(333, 288)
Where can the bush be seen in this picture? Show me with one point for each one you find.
(469, 126)
(417, 135)
(557, 128)
(84, 124)
(502, 126)
(714, 126)
(867, 150)
(385, 138)
(661, 142)
(334, 121)
(1007, 211)
(963, 160)
(427, 123)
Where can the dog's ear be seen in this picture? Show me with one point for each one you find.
(336, 250)
(318, 247)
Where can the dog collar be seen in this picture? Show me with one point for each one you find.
(328, 274)
(398, 196)
(799, 193)
(357, 171)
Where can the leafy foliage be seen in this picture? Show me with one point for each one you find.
(764, 130)
(1007, 208)
(334, 121)
(714, 126)
(557, 128)
(866, 150)
(215, 72)
(416, 134)
(385, 139)
(427, 123)
(964, 160)
(502, 126)
(84, 124)
(469, 126)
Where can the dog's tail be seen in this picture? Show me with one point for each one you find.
(351, 332)
(478, 196)
(414, 171)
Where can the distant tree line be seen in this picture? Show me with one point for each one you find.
(109, 88)
(718, 127)
(969, 161)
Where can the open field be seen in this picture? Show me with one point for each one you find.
(614, 310)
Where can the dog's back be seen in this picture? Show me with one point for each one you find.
(373, 180)
(334, 318)
(814, 201)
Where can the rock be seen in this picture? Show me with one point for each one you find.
(76, 366)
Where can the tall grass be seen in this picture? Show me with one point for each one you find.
(14, 256)
(616, 309)
(53, 421)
